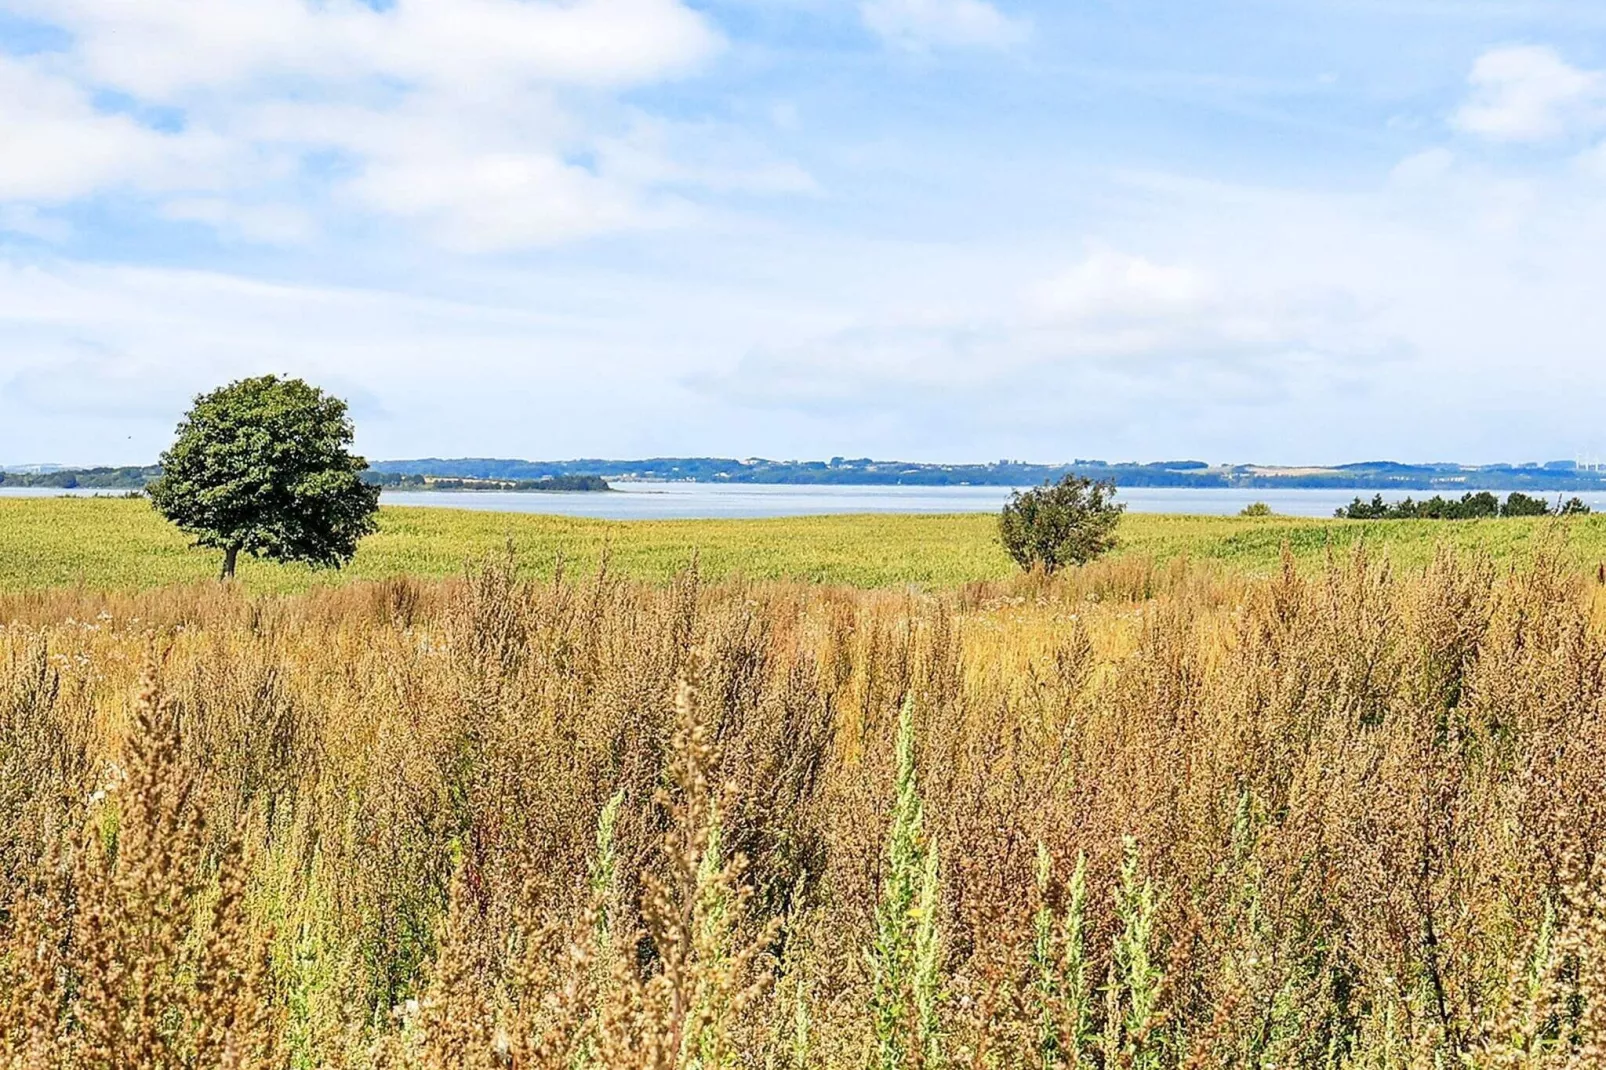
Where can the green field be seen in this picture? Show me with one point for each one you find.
(121, 544)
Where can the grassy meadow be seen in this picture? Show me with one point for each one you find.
(1197, 805)
(121, 544)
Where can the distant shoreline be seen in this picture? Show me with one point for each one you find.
(593, 475)
(1371, 476)
(428, 484)
(498, 490)
(135, 479)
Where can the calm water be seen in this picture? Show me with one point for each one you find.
(673, 501)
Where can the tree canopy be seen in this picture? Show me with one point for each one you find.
(1066, 523)
(1470, 506)
(262, 465)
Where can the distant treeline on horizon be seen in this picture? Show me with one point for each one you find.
(1369, 475)
(430, 481)
(135, 478)
(593, 473)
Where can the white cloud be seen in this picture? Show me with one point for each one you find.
(27, 220)
(1207, 320)
(1593, 162)
(83, 381)
(1529, 93)
(921, 24)
(1114, 322)
(126, 347)
(489, 123)
(57, 146)
(1423, 169)
(929, 300)
(492, 200)
(653, 152)
(75, 336)
(1109, 287)
(166, 49)
(269, 224)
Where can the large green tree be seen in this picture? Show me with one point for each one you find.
(1066, 523)
(263, 465)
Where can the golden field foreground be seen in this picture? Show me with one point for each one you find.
(122, 544)
(1144, 815)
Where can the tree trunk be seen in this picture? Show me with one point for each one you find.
(230, 555)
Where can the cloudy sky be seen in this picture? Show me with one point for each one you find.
(1271, 230)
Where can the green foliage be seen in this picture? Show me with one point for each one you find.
(1256, 509)
(262, 465)
(1066, 523)
(1520, 504)
(905, 958)
(712, 913)
(1060, 984)
(1132, 993)
(604, 870)
(1482, 505)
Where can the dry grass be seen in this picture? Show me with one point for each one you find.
(1143, 816)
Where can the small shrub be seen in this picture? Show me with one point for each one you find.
(1520, 504)
(1573, 507)
(1132, 992)
(1066, 523)
(1062, 989)
(1256, 509)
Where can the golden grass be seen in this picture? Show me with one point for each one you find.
(118, 544)
(1149, 815)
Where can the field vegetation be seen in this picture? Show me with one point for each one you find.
(121, 544)
(1145, 814)
(1482, 505)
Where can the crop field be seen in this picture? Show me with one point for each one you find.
(1205, 803)
(120, 544)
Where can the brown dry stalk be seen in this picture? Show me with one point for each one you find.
(559, 825)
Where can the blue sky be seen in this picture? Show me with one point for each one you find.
(1295, 231)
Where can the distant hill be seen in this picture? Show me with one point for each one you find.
(135, 478)
(415, 481)
(590, 474)
(1366, 475)
(52, 476)
(861, 471)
